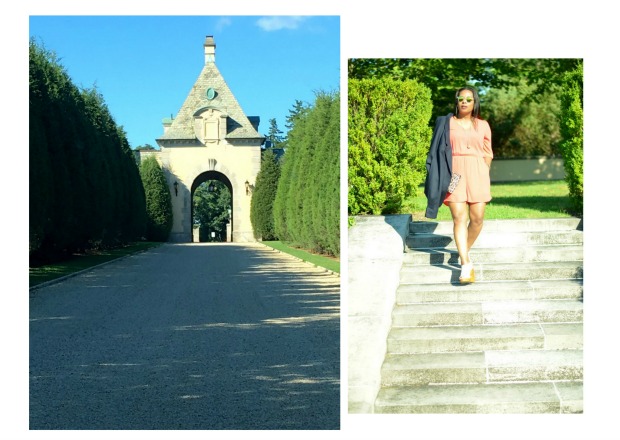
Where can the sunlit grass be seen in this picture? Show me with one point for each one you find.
(325, 262)
(78, 262)
(544, 199)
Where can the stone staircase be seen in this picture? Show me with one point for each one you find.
(509, 343)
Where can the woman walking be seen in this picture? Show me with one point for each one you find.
(458, 165)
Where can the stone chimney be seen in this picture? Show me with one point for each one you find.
(209, 49)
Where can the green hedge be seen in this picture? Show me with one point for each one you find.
(261, 207)
(307, 204)
(85, 189)
(389, 138)
(158, 200)
(572, 136)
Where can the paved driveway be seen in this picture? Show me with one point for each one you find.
(188, 336)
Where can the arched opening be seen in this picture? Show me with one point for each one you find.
(211, 204)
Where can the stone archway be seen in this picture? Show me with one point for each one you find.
(208, 176)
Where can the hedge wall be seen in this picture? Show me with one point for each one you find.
(85, 188)
(389, 138)
(307, 204)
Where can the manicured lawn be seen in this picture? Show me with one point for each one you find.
(510, 201)
(80, 262)
(328, 263)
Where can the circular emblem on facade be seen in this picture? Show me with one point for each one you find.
(210, 93)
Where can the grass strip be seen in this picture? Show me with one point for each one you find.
(323, 261)
(78, 262)
(518, 200)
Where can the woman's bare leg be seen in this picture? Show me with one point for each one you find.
(460, 217)
(476, 219)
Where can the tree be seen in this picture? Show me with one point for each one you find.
(145, 147)
(275, 133)
(442, 76)
(297, 111)
(523, 127)
(158, 200)
(263, 196)
(212, 205)
(535, 78)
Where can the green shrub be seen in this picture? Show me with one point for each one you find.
(572, 136)
(263, 196)
(158, 200)
(389, 138)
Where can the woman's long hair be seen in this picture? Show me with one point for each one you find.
(475, 114)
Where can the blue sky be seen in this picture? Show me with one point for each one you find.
(145, 66)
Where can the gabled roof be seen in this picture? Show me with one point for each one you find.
(239, 125)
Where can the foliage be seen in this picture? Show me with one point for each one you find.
(145, 147)
(523, 127)
(572, 135)
(307, 204)
(389, 138)
(212, 201)
(158, 200)
(545, 74)
(275, 134)
(442, 76)
(263, 196)
(536, 80)
(299, 108)
(85, 190)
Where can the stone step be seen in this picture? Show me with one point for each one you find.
(446, 339)
(490, 291)
(493, 272)
(516, 225)
(514, 398)
(490, 312)
(521, 254)
(489, 239)
(482, 367)
(509, 343)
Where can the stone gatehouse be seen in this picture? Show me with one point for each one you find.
(211, 138)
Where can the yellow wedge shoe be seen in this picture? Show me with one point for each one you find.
(467, 274)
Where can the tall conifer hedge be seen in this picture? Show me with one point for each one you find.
(85, 188)
(158, 200)
(261, 208)
(307, 204)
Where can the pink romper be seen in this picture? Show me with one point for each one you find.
(469, 148)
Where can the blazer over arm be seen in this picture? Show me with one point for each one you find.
(438, 166)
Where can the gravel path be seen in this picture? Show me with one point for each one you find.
(188, 336)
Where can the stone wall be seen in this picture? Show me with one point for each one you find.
(527, 169)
